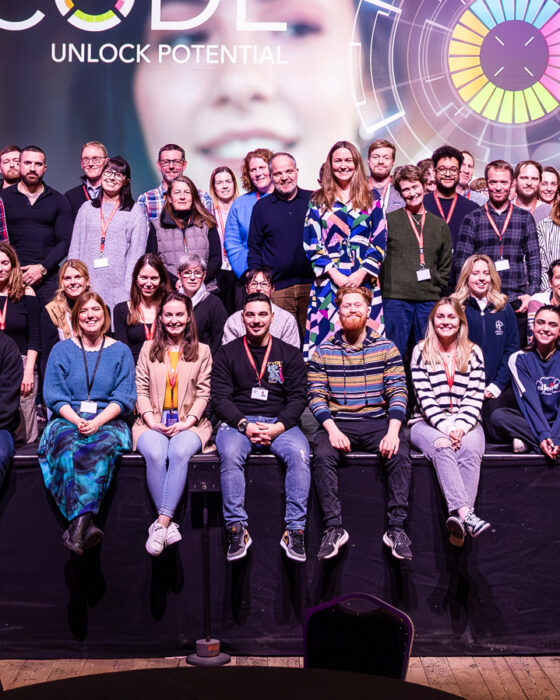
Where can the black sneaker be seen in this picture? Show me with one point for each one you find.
(239, 541)
(333, 539)
(292, 542)
(397, 540)
(475, 525)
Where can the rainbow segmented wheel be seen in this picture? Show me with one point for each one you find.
(95, 23)
(504, 59)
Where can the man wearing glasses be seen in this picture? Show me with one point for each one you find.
(39, 220)
(283, 325)
(171, 163)
(93, 159)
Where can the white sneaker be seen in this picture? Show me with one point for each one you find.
(173, 535)
(519, 446)
(156, 539)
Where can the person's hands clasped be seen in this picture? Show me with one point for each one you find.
(549, 449)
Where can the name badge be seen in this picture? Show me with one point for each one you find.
(171, 418)
(502, 264)
(423, 274)
(100, 262)
(259, 393)
(88, 407)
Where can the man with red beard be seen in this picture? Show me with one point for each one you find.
(9, 166)
(357, 392)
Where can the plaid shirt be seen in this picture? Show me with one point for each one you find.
(520, 247)
(3, 227)
(153, 201)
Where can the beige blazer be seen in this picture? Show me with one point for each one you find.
(193, 390)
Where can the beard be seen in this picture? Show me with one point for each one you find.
(446, 191)
(12, 176)
(354, 324)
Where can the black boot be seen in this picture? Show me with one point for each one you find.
(73, 537)
(93, 535)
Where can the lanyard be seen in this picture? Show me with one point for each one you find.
(148, 332)
(105, 226)
(533, 206)
(221, 231)
(3, 316)
(451, 208)
(90, 384)
(504, 227)
(468, 195)
(419, 234)
(172, 374)
(450, 376)
(86, 193)
(252, 361)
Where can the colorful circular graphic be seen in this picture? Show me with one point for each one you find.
(94, 23)
(504, 59)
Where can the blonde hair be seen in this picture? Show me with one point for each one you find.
(431, 353)
(462, 291)
(360, 194)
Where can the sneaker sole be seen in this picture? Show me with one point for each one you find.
(243, 553)
(480, 530)
(456, 541)
(292, 555)
(455, 528)
(389, 543)
(173, 540)
(153, 552)
(342, 541)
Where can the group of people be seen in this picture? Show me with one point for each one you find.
(183, 318)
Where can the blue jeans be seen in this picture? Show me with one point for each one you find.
(166, 482)
(6, 452)
(291, 447)
(402, 316)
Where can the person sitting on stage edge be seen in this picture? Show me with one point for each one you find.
(11, 376)
(448, 377)
(357, 392)
(173, 386)
(258, 392)
(536, 383)
(89, 385)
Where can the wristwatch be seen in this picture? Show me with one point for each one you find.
(242, 426)
(43, 270)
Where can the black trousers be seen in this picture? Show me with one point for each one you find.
(510, 423)
(364, 435)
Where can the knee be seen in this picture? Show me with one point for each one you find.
(441, 443)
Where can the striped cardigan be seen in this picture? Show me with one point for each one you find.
(357, 381)
(548, 234)
(442, 407)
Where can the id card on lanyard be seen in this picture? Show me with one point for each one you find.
(502, 263)
(90, 406)
(258, 392)
(173, 415)
(102, 260)
(423, 273)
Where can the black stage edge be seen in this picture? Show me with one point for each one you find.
(499, 595)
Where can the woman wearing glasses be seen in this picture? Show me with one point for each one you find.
(186, 227)
(110, 234)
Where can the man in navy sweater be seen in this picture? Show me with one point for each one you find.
(276, 238)
(259, 393)
(39, 222)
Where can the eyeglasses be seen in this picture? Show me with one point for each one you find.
(192, 273)
(114, 175)
(253, 284)
(97, 160)
(169, 163)
(441, 170)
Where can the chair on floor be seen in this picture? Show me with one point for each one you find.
(358, 632)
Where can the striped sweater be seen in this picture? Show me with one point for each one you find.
(357, 381)
(447, 408)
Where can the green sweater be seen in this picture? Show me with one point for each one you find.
(398, 273)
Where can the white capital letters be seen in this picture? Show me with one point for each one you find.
(181, 25)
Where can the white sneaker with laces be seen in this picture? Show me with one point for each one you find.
(519, 446)
(156, 538)
(173, 535)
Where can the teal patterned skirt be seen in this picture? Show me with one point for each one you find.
(78, 469)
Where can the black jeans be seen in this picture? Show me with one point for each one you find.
(364, 435)
(510, 423)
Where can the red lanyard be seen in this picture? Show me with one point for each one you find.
(171, 374)
(504, 227)
(149, 332)
(533, 207)
(451, 208)
(450, 376)
(468, 195)
(105, 226)
(3, 316)
(419, 234)
(252, 361)
(86, 193)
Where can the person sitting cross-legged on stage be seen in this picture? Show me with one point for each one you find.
(357, 392)
(258, 392)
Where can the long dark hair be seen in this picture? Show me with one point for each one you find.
(121, 166)
(190, 336)
(163, 289)
(198, 213)
(532, 346)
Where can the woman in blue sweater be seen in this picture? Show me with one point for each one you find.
(89, 385)
(536, 383)
(493, 327)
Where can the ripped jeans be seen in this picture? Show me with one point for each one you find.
(457, 471)
(291, 448)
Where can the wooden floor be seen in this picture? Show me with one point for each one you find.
(475, 678)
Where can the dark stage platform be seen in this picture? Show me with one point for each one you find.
(498, 595)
